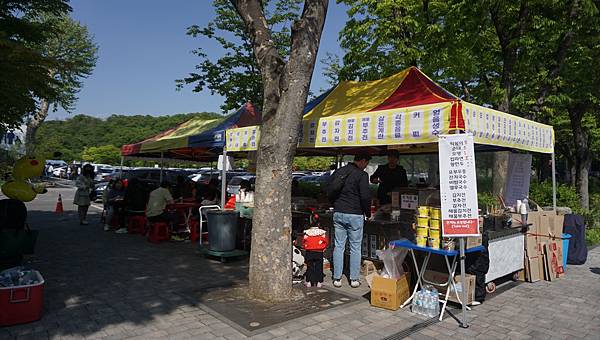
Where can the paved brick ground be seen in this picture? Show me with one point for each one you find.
(108, 286)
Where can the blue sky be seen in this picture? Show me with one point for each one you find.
(144, 48)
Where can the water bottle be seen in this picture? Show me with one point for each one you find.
(436, 302)
(416, 302)
(427, 304)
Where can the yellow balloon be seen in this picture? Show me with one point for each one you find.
(28, 167)
(19, 190)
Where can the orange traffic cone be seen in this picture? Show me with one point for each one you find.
(59, 206)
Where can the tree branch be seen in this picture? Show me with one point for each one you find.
(306, 32)
(269, 61)
(561, 53)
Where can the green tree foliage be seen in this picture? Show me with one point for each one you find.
(73, 135)
(313, 163)
(75, 54)
(106, 154)
(236, 75)
(24, 75)
(531, 58)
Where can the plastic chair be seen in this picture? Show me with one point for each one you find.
(136, 224)
(159, 231)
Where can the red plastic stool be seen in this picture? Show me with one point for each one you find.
(159, 231)
(194, 229)
(136, 224)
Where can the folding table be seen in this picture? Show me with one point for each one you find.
(451, 268)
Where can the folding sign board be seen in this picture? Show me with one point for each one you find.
(458, 186)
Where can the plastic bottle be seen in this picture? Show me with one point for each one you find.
(416, 301)
(427, 308)
(419, 302)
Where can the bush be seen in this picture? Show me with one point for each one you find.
(592, 236)
(566, 196)
(485, 200)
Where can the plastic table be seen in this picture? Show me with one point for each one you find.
(185, 208)
(453, 254)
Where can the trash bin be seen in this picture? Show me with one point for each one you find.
(222, 229)
(565, 238)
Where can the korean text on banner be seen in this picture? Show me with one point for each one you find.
(458, 186)
(243, 139)
(517, 180)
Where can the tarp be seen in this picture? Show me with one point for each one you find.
(195, 139)
(407, 108)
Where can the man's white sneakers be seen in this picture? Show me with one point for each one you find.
(354, 283)
(337, 283)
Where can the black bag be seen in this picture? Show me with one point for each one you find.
(13, 214)
(336, 184)
(93, 195)
(575, 226)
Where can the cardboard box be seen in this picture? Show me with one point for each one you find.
(531, 244)
(389, 293)
(437, 278)
(533, 270)
(554, 260)
(473, 241)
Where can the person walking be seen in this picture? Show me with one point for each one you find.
(85, 186)
(350, 193)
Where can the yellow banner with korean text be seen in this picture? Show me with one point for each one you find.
(243, 139)
(412, 125)
(492, 127)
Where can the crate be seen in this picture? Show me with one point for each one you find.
(22, 304)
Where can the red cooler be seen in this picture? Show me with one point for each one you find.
(22, 304)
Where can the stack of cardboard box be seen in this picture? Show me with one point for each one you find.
(543, 246)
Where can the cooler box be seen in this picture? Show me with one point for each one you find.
(22, 304)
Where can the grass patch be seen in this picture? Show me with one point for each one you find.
(592, 236)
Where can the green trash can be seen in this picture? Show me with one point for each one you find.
(222, 229)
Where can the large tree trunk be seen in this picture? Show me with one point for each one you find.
(285, 92)
(34, 123)
(500, 172)
(583, 159)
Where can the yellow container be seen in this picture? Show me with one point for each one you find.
(434, 233)
(423, 211)
(434, 243)
(422, 231)
(422, 241)
(436, 213)
(423, 221)
(435, 223)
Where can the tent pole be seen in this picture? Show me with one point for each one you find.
(553, 181)
(224, 179)
(161, 167)
(121, 169)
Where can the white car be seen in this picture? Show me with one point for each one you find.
(60, 172)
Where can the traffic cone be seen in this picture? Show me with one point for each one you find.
(59, 206)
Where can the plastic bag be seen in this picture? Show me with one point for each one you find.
(392, 262)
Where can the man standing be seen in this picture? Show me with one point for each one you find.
(351, 195)
(389, 176)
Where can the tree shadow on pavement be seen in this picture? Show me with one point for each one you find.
(98, 281)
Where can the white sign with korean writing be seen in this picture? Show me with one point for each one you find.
(409, 202)
(518, 178)
(458, 186)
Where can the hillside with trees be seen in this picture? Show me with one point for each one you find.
(85, 137)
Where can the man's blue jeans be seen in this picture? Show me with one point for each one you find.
(347, 226)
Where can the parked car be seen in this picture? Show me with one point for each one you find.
(60, 172)
(233, 187)
(103, 173)
(314, 180)
(99, 189)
